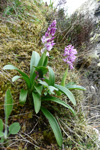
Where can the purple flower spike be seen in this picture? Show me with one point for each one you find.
(69, 53)
(48, 38)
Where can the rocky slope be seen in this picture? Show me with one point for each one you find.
(91, 74)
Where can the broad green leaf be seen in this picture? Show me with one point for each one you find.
(43, 83)
(51, 76)
(66, 92)
(32, 80)
(45, 62)
(24, 75)
(59, 101)
(70, 83)
(11, 67)
(23, 96)
(27, 80)
(37, 102)
(41, 71)
(8, 105)
(46, 80)
(42, 60)
(2, 140)
(34, 62)
(77, 87)
(14, 128)
(15, 78)
(1, 125)
(38, 89)
(42, 68)
(1, 134)
(52, 89)
(54, 125)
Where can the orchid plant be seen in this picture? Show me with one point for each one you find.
(41, 86)
(14, 127)
(70, 56)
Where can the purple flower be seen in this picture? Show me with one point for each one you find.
(48, 46)
(69, 53)
(48, 38)
(37, 75)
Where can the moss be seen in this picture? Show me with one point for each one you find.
(48, 137)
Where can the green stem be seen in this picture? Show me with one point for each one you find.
(6, 123)
(64, 77)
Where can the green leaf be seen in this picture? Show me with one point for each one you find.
(46, 80)
(1, 125)
(77, 87)
(41, 71)
(14, 128)
(24, 75)
(51, 76)
(37, 102)
(15, 78)
(59, 101)
(1, 134)
(38, 89)
(66, 92)
(43, 83)
(45, 62)
(42, 68)
(8, 105)
(27, 80)
(23, 96)
(52, 89)
(11, 67)
(32, 80)
(54, 125)
(42, 60)
(34, 62)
